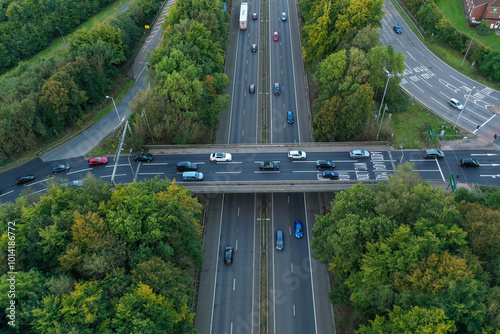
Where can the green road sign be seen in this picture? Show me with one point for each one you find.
(431, 133)
(453, 183)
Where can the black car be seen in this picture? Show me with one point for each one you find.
(397, 29)
(186, 166)
(431, 154)
(266, 165)
(325, 164)
(469, 163)
(143, 157)
(60, 168)
(25, 178)
(330, 175)
(228, 255)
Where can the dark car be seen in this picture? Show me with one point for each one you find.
(266, 165)
(289, 117)
(25, 178)
(469, 163)
(254, 48)
(298, 230)
(98, 161)
(330, 175)
(186, 166)
(251, 89)
(397, 29)
(325, 164)
(228, 255)
(143, 157)
(431, 154)
(60, 168)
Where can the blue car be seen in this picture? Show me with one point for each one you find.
(289, 117)
(298, 230)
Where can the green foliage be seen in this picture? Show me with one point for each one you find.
(414, 321)
(408, 246)
(483, 29)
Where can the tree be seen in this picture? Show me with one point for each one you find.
(413, 321)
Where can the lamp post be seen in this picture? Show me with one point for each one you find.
(64, 40)
(147, 121)
(389, 75)
(461, 111)
(133, 174)
(468, 49)
(116, 109)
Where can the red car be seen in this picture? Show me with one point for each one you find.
(254, 16)
(98, 161)
(275, 36)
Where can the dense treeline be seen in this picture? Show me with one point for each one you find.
(89, 260)
(37, 101)
(438, 27)
(341, 46)
(187, 68)
(412, 259)
(29, 26)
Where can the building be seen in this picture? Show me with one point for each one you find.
(483, 10)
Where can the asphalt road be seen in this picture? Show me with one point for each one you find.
(433, 82)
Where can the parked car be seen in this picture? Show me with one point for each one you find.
(221, 157)
(25, 178)
(254, 16)
(431, 154)
(469, 163)
(185, 166)
(298, 230)
(143, 157)
(280, 241)
(60, 168)
(289, 117)
(98, 161)
(297, 155)
(283, 16)
(276, 88)
(327, 174)
(397, 29)
(325, 164)
(275, 36)
(254, 47)
(267, 165)
(251, 89)
(455, 104)
(359, 154)
(74, 184)
(228, 255)
(192, 176)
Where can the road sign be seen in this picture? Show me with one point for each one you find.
(431, 133)
(453, 183)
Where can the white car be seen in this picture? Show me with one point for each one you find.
(455, 104)
(359, 154)
(221, 157)
(297, 155)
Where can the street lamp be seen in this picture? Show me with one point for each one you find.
(116, 109)
(461, 111)
(468, 48)
(64, 40)
(389, 75)
(147, 121)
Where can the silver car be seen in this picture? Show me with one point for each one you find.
(359, 154)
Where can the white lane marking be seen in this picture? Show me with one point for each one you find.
(105, 176)
(291, 267)
(492, 176)
(294, 310)
(310, 268)
(463, 83)
(266, 171)
(159, 173)
(234, 284)
(227, 172)
(440, 171)
(216, 267)
(490, 165)
(79, 171)
(238, 211)
(236, 245)
(417, 87)
(7, 193)
(155, 164)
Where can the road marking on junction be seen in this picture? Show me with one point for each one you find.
(79, 171)
(487, 154)
(492, 176)
(265, 171)
(305, 171)
(159, 173)
(491, 165)
(102, 177)
(227, 172)
(155, 164)
(7, 193)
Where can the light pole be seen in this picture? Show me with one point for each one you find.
(389, 75)
(147, 121)
(133, 174)
(116, 109)
(468, 48)
(64, 40)
(461, 111)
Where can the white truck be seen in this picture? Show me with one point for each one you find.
(243, 15)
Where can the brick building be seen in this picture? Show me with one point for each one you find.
(483, 10)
